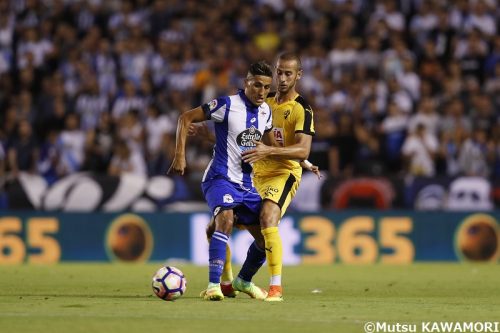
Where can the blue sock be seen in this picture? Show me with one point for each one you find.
(254, 260)
(216, 256)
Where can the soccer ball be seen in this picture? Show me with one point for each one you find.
(169, 283)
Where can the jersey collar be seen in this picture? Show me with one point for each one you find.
(250, 106)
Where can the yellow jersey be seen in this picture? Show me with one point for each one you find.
(295, 116)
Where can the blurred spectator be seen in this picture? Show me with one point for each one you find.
(451, 144)
(32, 50)
(125, 160)
(473, 155)
(368, 159)
(419, 150)
(23, 150)
(344, 147)
(160, 130)
(90, 104)
(105, 67)
(131, 130)
(324, 129)
(426, 115)
(49, 158)
(393, 131)
(130, 100)
(99, 145)
(482, 112)
(479, 17)
(70, 144)
(387, 12)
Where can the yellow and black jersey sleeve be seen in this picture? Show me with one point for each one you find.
(304, 117)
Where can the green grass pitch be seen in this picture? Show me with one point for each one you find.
(118, 298)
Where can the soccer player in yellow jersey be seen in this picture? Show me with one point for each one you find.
(277, 169)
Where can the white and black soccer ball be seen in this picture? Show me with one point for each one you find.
(169, 283)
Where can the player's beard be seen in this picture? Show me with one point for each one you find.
(285, 90)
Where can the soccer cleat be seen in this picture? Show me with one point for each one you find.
(249, 288)
(212, 294)
(228, 290)
(275, 294)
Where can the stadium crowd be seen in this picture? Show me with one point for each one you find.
(397, 87)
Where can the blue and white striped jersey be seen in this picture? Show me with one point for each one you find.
(237, 122)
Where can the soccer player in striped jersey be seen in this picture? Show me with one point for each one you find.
(277, 170)
(240, 121)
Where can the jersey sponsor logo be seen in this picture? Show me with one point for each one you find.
(270, 191)
(286, 114)
(227, 198)
(279, 136)
(212, 105)
(244, 139)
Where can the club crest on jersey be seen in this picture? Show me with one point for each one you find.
(286, 114)
(244, 139)
(227, 198)
(212, 105)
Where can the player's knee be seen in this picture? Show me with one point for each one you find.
(224, 221)
(268, 219)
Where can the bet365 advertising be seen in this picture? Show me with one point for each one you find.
(355, 237)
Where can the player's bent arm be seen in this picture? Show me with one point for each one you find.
(298, 151)
(195, 115)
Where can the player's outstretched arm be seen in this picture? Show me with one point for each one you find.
(298, 151)
(185, 119)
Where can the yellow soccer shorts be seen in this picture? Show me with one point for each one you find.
(279, 188)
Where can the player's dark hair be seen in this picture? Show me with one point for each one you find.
(260, 68)
(287, 56)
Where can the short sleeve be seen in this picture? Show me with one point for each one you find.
(216, 109)
(304, 119)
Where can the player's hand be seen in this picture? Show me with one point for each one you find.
(315, 169)
(256, 154)
(311, 167)
(178, 166)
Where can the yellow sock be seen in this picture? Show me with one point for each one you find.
(274, 250)
(227, 272)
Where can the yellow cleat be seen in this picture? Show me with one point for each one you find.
(212, 294)
(275, 294)
(249, 288)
